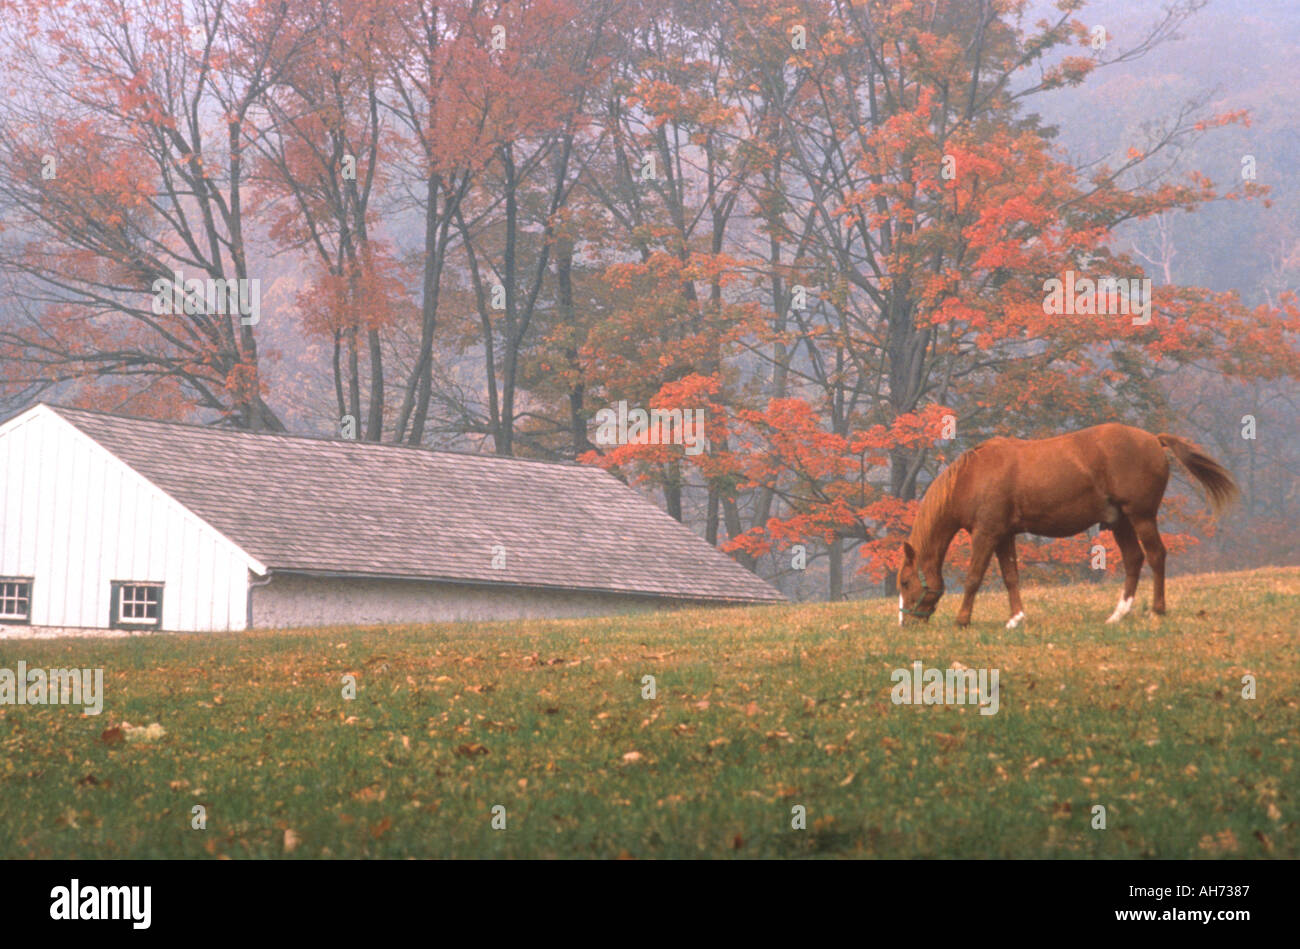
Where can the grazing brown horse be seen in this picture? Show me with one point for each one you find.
(1112, 475)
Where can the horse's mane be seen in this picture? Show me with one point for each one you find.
(937, 497)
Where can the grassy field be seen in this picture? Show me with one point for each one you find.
(757, 711)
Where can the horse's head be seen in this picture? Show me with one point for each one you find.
(917, 598)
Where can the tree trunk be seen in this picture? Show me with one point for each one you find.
(375, 423)
(835, 567)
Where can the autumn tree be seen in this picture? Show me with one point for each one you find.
(123, 138)
(321, 148)
(534, 80)
(670, 181)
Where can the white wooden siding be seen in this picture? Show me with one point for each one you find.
(75, 518)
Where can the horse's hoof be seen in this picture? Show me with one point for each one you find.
(1015, 620)
(1121, 610)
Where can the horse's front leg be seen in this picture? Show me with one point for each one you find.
(982, 546)
(1010, 568)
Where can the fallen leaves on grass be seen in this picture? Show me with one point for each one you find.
(150, 732)
(1225, 841)
(949, 742)
(127, 732)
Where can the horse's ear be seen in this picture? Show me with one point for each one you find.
(909, 555)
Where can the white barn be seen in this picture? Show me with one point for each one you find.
(110, 522)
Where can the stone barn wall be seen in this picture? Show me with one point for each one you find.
(291, 600)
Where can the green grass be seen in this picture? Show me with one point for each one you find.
(757, 710)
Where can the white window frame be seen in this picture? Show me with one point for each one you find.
(6, 596)
(120, 602)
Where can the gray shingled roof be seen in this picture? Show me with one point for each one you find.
(342, 507)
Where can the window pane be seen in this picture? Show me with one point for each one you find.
(15, 598)
(139, 603)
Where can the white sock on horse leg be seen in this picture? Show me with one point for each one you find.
(1015, 620)
(1121, 609)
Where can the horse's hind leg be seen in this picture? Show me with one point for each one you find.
(1131, 550)
(1149, 535)
(1010, 568)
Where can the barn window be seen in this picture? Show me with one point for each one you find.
(15, 599)
(136, 604)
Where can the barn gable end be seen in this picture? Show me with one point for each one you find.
(75, 520)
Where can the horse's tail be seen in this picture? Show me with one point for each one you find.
(1215, 478)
